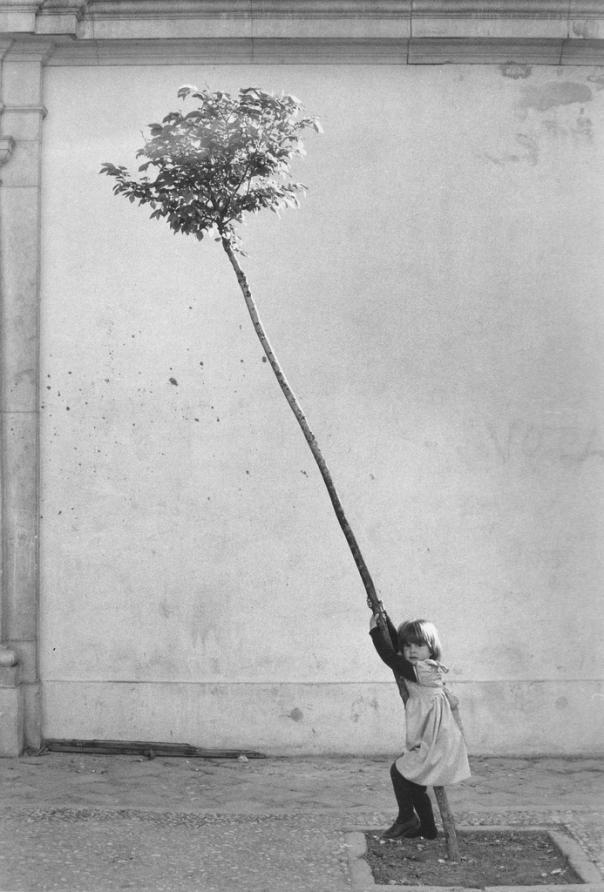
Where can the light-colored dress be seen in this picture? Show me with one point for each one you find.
(435, 752)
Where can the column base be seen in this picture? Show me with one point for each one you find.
(11, 712)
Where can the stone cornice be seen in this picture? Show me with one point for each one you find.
(563, 9)
(326, 52)
(270, 19)
(388, 31)
(274, 18)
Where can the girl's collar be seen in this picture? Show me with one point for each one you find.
(435, 664)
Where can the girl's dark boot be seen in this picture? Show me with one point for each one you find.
(407, 825)
(423, 807)
(403, 830)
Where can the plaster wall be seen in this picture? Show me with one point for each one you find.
(437, 306)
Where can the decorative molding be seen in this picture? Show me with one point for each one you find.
(61, 6)
(26, 48)
(484, 9)
(554, 20)
(490, 51)
(582, 52)
(40, 110)
(245, 19)
(249, 8)
(563, 9)
(414, 31)
(229, 52)
(325, 51)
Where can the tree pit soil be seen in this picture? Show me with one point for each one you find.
(487, 858)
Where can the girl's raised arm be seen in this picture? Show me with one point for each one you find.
(386, 651)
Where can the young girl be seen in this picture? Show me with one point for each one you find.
(435, 753)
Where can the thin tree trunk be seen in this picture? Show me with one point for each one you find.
(448, 823)
(302, 421)
(441, 796)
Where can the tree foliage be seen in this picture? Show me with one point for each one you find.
(228, 156)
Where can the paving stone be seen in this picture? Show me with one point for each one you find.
(98, 824)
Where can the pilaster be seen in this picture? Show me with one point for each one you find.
(20, 145)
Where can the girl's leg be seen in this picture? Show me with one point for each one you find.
(406, 824)
(423, 807)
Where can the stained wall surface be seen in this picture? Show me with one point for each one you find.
(437, 306)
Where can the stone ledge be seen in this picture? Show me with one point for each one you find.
(295, 19)
(327, 51)
(138, 32)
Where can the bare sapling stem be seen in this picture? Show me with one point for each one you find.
(298, 412)
(448, 823)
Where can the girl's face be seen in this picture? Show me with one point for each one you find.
(416, 652)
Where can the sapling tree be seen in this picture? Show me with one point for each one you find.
(202, 172)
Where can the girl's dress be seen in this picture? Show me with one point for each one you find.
(435, 752)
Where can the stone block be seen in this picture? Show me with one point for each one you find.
(11, 712)
(31, 698)
(23, 168)
(22, 82)
(23, 123)
(16, 21)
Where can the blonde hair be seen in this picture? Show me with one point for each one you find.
(420, 631)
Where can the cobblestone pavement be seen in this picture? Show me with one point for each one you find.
(104, 823)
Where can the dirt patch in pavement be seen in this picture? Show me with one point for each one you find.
(487, 858)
